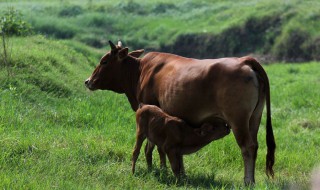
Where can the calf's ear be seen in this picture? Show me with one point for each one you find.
(112, 45)
(137, 53)
(123, 53)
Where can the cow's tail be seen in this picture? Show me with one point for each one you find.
(271, 145)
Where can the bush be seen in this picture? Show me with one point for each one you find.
(61, 30)
(163, 8)
(132, 7)
(97, 20)
(291, 46)
(256, 34)
(92, 40)
(312, 48)
(71, 11)
(11, 23)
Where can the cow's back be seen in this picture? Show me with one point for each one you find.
(197, 91)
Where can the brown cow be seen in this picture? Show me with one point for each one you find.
(173, 137)
(198, 91)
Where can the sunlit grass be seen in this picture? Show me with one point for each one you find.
(66, 137)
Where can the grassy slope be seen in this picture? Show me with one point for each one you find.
(46, 118)
(154, 23)
(56, 134)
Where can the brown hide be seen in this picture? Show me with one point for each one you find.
(233, 90)
(198, 91)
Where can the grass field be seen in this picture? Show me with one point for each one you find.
(55, 134)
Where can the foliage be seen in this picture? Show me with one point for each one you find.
(70, 11)
(255, 35)
(292, 45)
(12, 23)
(56, 29)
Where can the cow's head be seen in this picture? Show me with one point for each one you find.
(108, 74)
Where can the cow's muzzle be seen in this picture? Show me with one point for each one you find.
(88, 84)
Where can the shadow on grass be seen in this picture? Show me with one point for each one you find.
(204, 181)
(207, 181)
(165, 176)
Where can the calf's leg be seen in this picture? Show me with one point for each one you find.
(162, 156)
(175, 159)
(148, 153)
(139, 140)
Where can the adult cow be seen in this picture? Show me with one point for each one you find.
(198, 91)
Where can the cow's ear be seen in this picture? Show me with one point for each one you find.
(123, 53)
(137, 53)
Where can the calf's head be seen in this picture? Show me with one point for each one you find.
(108, 75)
(213, 132)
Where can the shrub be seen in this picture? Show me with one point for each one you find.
(313, 49)
(253, 35)
(291, 46)
(11, 23)
(132, 7)
(92, 40)
(61, 30)
(163, 7)
(71, 11)
(97, 20)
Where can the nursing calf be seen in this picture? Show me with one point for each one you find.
(173, 136)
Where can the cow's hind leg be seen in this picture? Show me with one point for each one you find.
(248, 148)
(254, 127)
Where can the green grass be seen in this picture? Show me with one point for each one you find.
(55, 134)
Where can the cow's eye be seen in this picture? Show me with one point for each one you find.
(103, 62)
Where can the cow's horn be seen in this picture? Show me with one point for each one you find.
(112, 45)
(119, 43)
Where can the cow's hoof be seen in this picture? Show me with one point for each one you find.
(249, 182)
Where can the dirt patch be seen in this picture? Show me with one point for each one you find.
(309, 124)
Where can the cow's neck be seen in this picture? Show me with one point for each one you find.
(131, 78)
